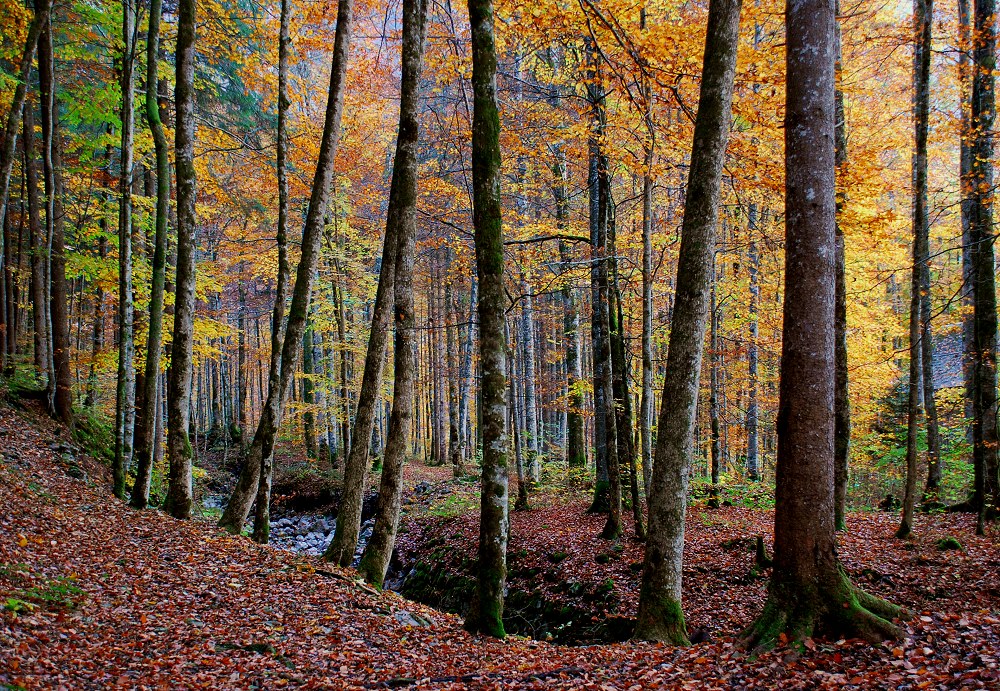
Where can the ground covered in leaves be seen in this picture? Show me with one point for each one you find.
(96, 595)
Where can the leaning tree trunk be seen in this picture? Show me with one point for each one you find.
(258, 468)
(660, 616)
(179, 453)
(810, 592)
(984, 365)
(262, 516)
(922, 14)
(8, 147)
(403, 212)
(145, 431)
(486, 610)
(841, 397)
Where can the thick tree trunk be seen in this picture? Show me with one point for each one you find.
(378, 551)
(145, 437)
(660, 616)
(179, 453)
(984, 364)
(486, 610)
(809, 592)
(261, 449)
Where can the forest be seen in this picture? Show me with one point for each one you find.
(575, 344)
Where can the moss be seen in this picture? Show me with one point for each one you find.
(948, 543)
(556, 557)
(660, 619)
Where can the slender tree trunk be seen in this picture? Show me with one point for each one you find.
(660, 616)
(179, 453)
(486, 610)
(454, 445)
(264, 469)
(530, 400)
(841, 397)
(753, 261)
(713, 388)
(965, 183)
(8, 152)
(922, 17)
(984, 401)
(262, 447)
(145, 437)
(809, 592)
(39, 255)
(60, 377)
(375, 560)
(308, 393)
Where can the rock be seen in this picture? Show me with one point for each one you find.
(416, 621)
(422, 487)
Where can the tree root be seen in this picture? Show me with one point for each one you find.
(792, 615)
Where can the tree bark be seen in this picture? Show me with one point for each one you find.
(179, 453)
(145, 436)
(486, 610)
(39, 254)
(660, 616)
(809, 592)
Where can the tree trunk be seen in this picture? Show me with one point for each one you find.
(841, 395)
(39, 22)
(39, 255)
(179, 453)
(809, 592)
(919, 299)
(713, 389)
(486, 610)
(530, 401)
(454, 444)
(60, 377)
(753, 261)
(308, 393)
(145, 437)
(403, 211)
(253, 475)
(262, 516)
(984, 365)
(660, 616)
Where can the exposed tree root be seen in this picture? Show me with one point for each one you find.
(835, 609)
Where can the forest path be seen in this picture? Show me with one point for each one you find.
(97, 595)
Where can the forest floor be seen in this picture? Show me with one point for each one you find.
(95, 595)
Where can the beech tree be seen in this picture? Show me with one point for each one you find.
(809, 592)
(660, 616)
(486, 611)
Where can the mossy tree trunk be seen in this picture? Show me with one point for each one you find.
(179, 452)
(144, 437)
(809, 592)
(660, 616)
(486, 610)
(402, 212)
